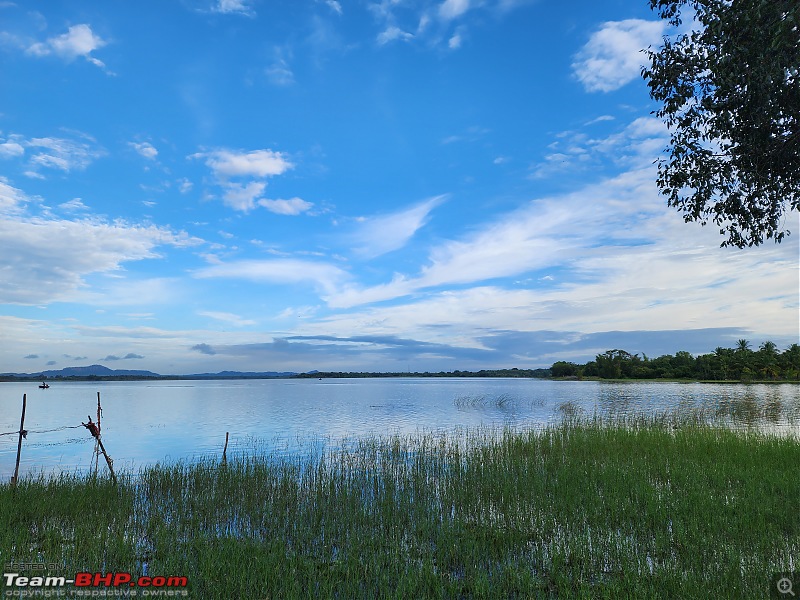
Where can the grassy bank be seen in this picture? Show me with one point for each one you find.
(579, 510)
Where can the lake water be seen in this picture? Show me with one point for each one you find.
(148, 422)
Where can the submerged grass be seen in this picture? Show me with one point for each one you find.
(584, 509)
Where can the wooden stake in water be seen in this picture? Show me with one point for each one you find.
(225, 449)
(92, 427)
(22, 433)
(96, 443)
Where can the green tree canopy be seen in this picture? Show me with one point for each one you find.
(730, 95)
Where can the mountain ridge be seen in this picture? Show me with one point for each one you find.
(103, 371)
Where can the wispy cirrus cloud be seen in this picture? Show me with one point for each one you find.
(613, 55)
(334, 5)
(379, 235)
(637, 144)
(280, 71)
(144, 149)
(233, 7)
(451, 9)
(435, 23)
(227, 318)
(291, 206)
(325, 277)
(12, 200)
(392, 33)
(64, 155)
(578, 233)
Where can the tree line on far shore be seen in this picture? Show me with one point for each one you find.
(740, 363)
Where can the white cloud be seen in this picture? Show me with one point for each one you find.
(617, 258)
(454, 42)
(128, 291)
(11, 149)
(76, 204)
(228, 7)
(600, 119)
(326, 277)
(393, 33)
(279, 73)
(292, 206)
(185, 186)
(64, 154)
(451, 9)
(229, 318)
(43, 260)
(378, 235)
(335, 6)
(12, 200)
(243, 197)
(638, 144)
(79, 40)
(145, 149)
(257, 163)
(545, 233)
(613, 55)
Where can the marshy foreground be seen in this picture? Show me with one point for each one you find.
(643, 508)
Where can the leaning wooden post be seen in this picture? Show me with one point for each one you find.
(92, 427)
(225, 449)
(22, 434)
(97, 445)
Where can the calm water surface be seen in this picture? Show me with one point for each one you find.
(148, 422)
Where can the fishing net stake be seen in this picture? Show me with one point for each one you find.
(22, 434)
(94, 429)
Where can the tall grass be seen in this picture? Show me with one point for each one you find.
(584, 509)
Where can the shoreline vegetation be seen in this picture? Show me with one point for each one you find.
(724, 365)
(665, 506)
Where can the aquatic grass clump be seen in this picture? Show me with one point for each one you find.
(592, 508)
(67, 519)
(483, 401)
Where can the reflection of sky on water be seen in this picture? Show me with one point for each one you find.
(147, 422)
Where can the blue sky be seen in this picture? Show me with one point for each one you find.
(199, 185)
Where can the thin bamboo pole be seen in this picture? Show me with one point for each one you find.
(21, 435)
(92, 427)
(109, 462)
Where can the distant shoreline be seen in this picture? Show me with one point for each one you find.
(362, 375)
(498, 373)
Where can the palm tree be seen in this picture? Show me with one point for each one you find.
(742, 353)
(723, 356)
(768, 360)
(791, 358)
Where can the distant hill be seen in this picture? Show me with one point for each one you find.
(240, 375)
(95, 371)
(99, 371)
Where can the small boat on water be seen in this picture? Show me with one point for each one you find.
(44, 386)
